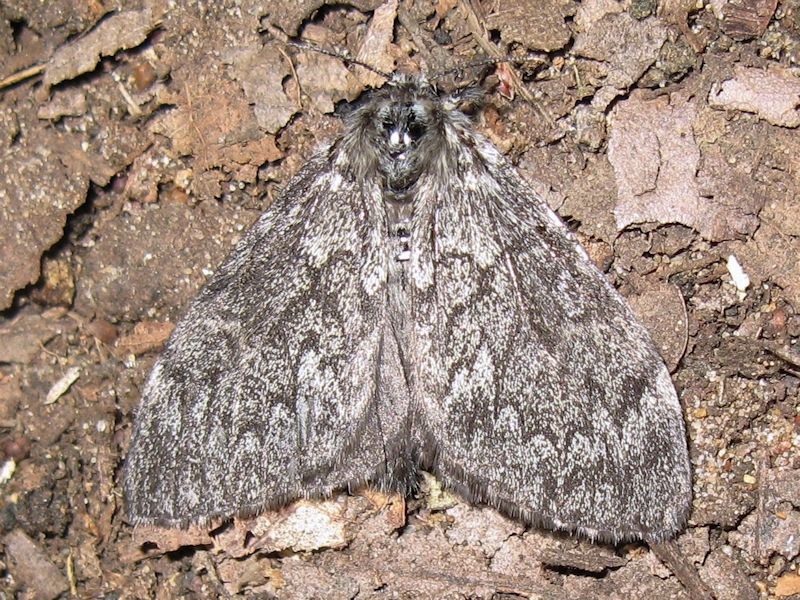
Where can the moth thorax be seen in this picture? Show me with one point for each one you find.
(400, 241)
(399, 210)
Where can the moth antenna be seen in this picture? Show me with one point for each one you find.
(669, 553)
(483, 63)
(516, 81)
(304, 45)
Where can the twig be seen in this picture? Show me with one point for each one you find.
(479, 33)
(304, 45)
(132, 106)
(296, 78)
(521, 586)
(784, 352)
(576, 560)
(21, 75)
(760, 509)
(675, 560)
(691, 265)
(685, 322)
(407, 21)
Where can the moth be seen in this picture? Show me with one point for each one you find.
(408, 303)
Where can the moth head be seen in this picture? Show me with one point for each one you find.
(402, 124)
(400, 129)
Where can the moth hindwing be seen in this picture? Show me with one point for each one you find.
(409, 303)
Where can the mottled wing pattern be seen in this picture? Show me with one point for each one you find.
(244, 408)
(542, 394)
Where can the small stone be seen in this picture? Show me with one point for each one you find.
(787, 585)
(31, 567)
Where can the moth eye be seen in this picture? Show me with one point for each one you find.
(415, 129)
